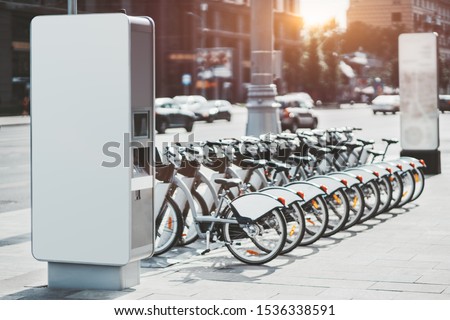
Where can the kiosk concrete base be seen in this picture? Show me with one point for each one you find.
(83, 276)
(432, 159)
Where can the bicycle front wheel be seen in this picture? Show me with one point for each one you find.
(316, 220)
(258, 242)
(169, 225)
(408, 182)
(357, 205)
(338, 212)
(295, 227)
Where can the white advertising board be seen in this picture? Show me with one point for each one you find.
(418, 73)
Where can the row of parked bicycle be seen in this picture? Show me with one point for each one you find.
(265, 196)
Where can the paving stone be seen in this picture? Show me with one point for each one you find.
(409, 287)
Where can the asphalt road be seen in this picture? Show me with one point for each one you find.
(15, 143)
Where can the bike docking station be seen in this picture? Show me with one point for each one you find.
(92, 81)
(419, 117)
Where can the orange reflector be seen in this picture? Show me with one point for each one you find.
(315, 204)
(412, 164)
(325, 189)
(345, 182)
(170, 223)
(376, 173)
(253, 253)
(400, 166)
(310, 221)
(355, 201)
(336, 198)
(360, 178)
(404, 193)
(422, 162)
(301, 194)
(291, 233)
(282, 200)
(391, 178)
(416, 177)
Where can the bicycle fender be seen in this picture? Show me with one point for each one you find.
(350, 178)
(382, 171)
(287, 194)
(254, 205)
(307, 189)
(332, 184)
(366, 175)
(388, 166)
(418, 163)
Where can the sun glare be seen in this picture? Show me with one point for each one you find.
(319, 12)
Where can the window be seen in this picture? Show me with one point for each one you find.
(396, 17)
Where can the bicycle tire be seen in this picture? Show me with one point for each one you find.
(385, 188)
(267, 239)
(168, 226)
(338, 212)
(419, 178)
(189, 234)
(371, 200)
(316, 220)
(356, 205)
(408, 187)
(397, 190)
(295, 227)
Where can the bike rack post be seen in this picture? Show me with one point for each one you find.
(92, 146)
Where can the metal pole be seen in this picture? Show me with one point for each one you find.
(203, 9)
(72, 7)
(263, 111)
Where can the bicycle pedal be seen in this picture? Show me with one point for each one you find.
(205, 252)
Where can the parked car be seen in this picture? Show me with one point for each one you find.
(213, 110)
(296, 114)
(444, 102)
(191, 102)
(169, 114)
(302, 98)
(386, 103)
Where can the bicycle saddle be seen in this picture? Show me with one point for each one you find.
(278, 166)
(255, 163)
(375, 153)
(365, 142)
(390, 141)
(228, 183)
(353, 145)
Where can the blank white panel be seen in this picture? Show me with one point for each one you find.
(80, 93)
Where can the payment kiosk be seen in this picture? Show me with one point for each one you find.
(92, 133)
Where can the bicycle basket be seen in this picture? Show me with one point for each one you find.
(164, 172)
(188, 168)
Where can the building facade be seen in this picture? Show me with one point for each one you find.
(183, 29)
(414, 15)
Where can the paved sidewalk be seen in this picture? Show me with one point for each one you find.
(404, 254)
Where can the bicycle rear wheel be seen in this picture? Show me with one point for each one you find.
(385, 188)
(357, 205)
(295, 227)
(408, 182)
(419, 179)
(189, 234)
(338, 212)
(397, 189)
(258, 242)
(316, 220)
(371, 200)
(168, 227)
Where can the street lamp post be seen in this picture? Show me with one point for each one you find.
(263, 111)
(72, 7)
(201, 18)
